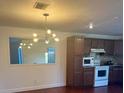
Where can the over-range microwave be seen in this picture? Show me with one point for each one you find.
(88, 61)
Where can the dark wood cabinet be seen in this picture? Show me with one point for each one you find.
(88, 76)
(118, 50)
(77, 47)
(87, 45)
(97, 43)
(78, 81)
(120, 76)
(109, 47)
(115, 75)
(100, 43)
(118, 47)
(112, 75)
(74, 60)
(94, 43)
(78, 73)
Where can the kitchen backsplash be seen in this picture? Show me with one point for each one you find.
(111, 60)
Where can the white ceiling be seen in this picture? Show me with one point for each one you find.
(65, 15)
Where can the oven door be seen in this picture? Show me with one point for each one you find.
(101, 72)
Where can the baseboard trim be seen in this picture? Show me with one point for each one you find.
(33, 87)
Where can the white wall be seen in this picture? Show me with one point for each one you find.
(23, 77)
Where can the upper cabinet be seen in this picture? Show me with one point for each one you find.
(87, 45)
(94, 43)
(100, 43)
(118, 50)
(97, 43)
(109, 47)
(118, 47)
(79, 45)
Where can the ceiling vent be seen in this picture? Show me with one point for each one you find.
(40, 5)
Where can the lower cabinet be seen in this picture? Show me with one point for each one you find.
(88, 76)
(78, 81)
(116, 75)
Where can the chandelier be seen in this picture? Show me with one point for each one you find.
(49, 35)
(25, 43)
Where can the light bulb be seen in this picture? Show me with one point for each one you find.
(56, 39)
(24, 44)
(34, 34)
(21, 44)
(91, 26)
(29, 47)
(53, 35)
(35, 39)
(49, 31)
(31, 44)
(46, 41)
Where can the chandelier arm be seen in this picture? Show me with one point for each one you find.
(46, 15)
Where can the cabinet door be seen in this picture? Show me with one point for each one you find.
(78, 74)
(94, 43)
(118, 47)
(100, 43)
(97, 43)
(77, 63)
(79, 45)
(78, 79)
(112, 75)
(115, 75)
(109, 47)
(87, 45)
(120, 76)
(88, 77)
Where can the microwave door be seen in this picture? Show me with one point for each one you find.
(87, 61)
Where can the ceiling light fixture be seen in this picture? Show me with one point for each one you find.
(49, 35)
(46, 41)
(35, 40)
(56, 39)
(49, 31)
(53, 35)
(31, 44)
(20, 46)
(91, 26)
(34, 35)
(26, 44)
(29, 47)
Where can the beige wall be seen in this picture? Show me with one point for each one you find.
(24, 77)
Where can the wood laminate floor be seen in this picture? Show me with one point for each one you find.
(109, 89)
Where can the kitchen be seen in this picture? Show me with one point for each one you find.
(94, 61)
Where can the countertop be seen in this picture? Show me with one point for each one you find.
(115, 66)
